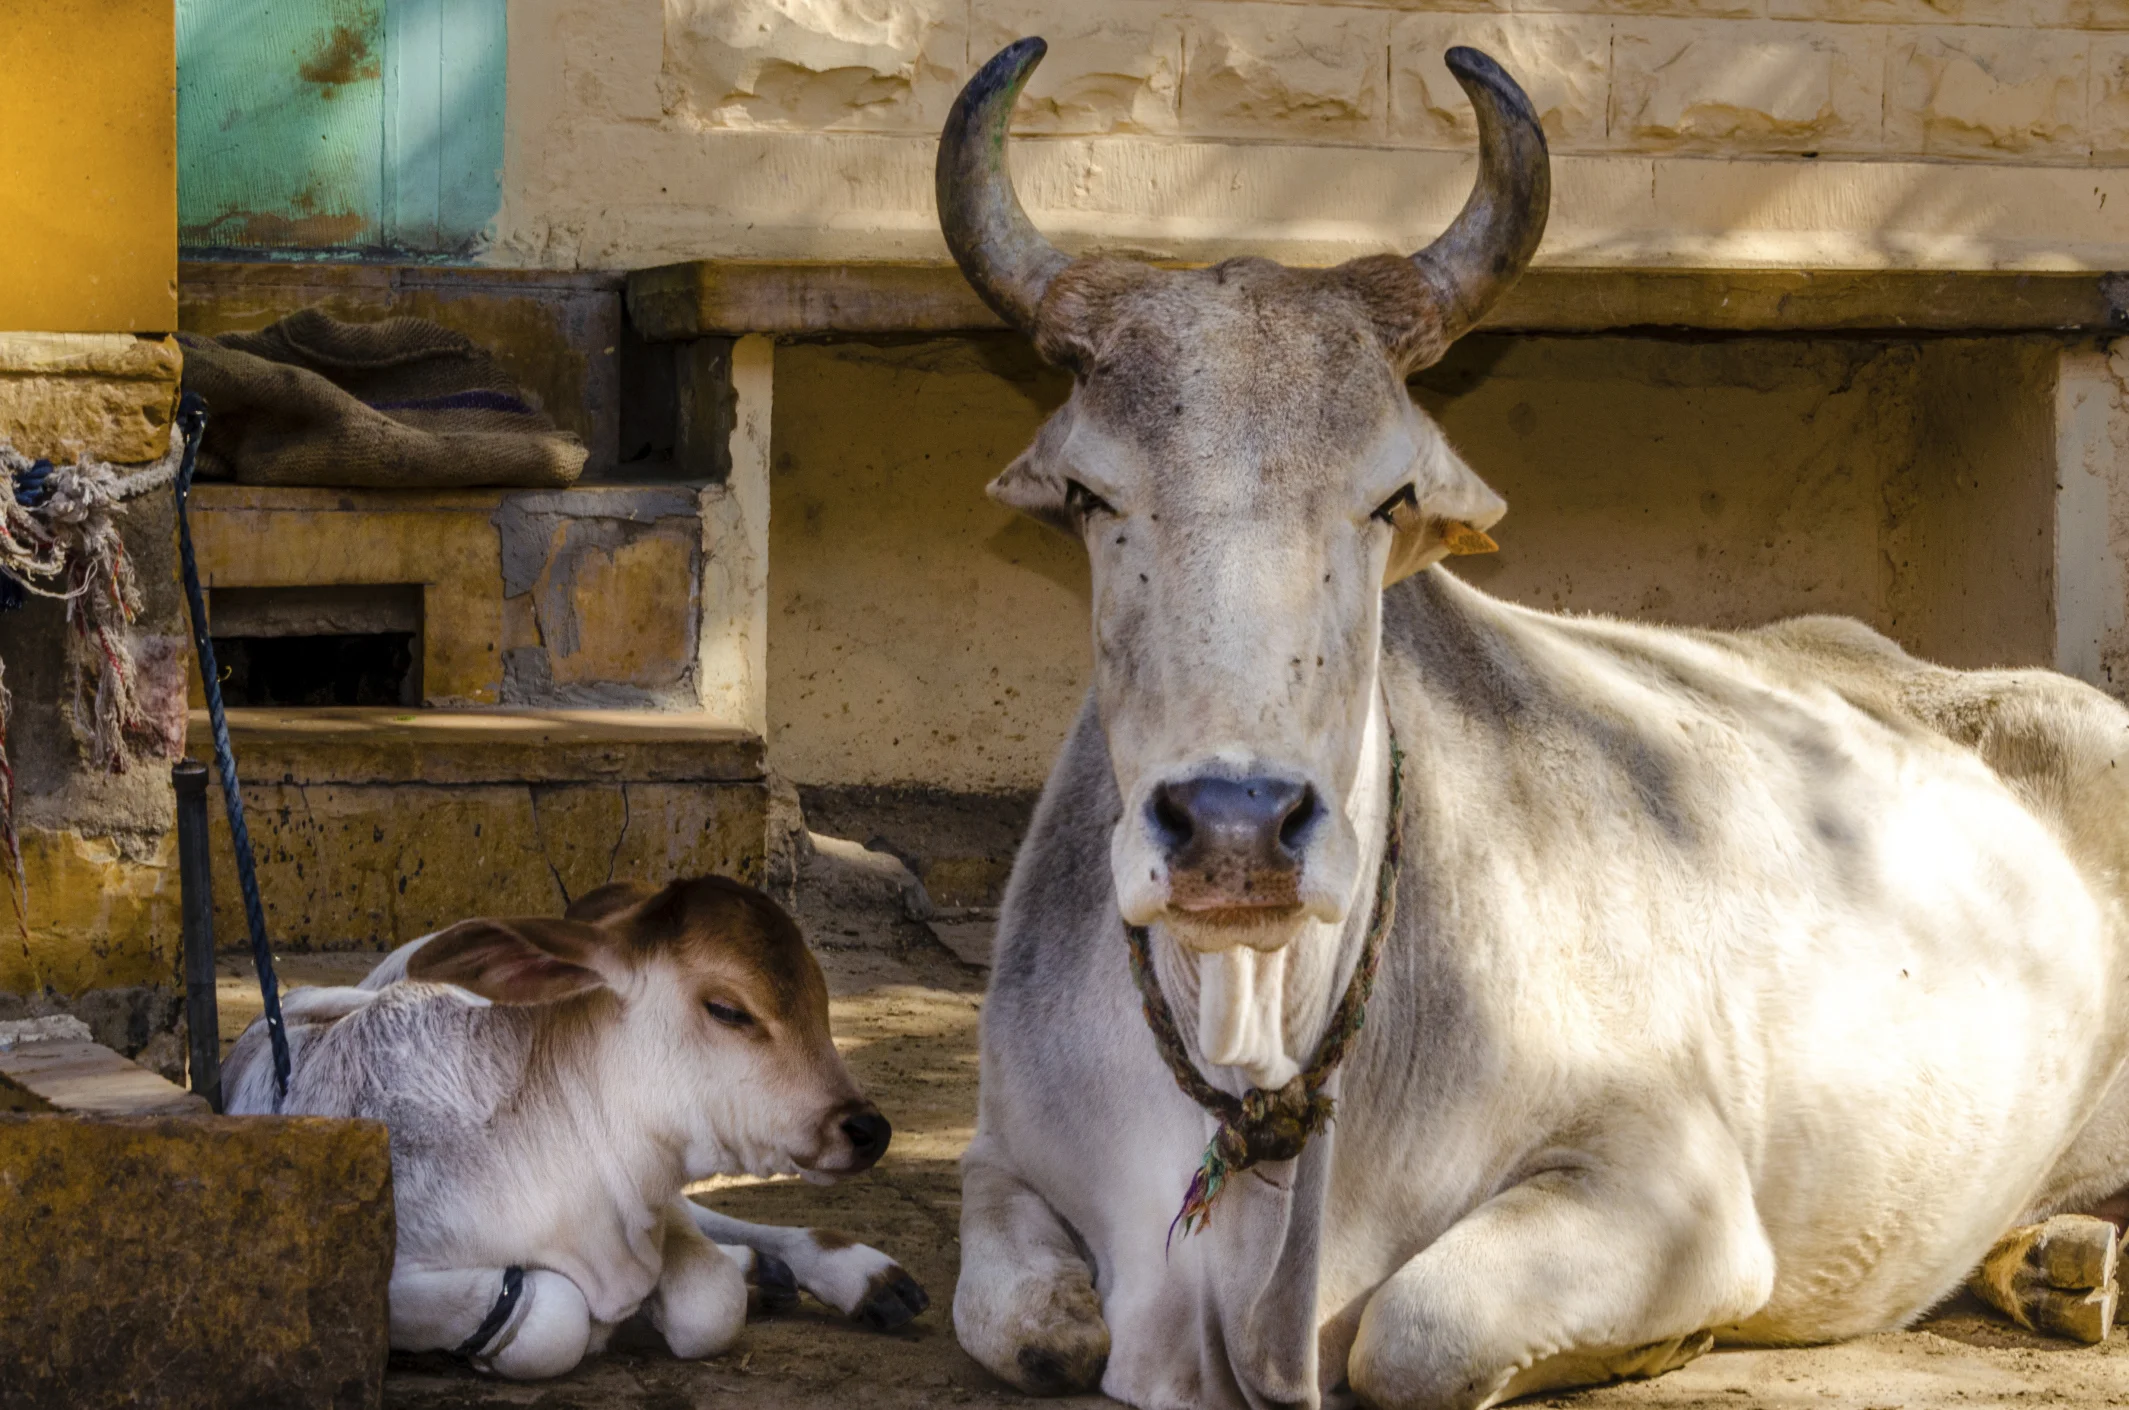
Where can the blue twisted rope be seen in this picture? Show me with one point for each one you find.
(192, 421)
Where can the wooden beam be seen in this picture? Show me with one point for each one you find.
(727, 298)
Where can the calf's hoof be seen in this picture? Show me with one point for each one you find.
(2057, 1277)
(550, 1333)
(892, 1301)
(775, 1286)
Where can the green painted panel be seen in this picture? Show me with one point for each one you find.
(330, 127)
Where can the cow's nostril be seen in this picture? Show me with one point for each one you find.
(1171, 819)
(868, 1133)
(1293, 831)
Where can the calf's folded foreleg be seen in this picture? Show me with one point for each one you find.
(855, 1280)
(526, 1327)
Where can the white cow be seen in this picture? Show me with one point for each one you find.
(1740, 988)
(552, 1085)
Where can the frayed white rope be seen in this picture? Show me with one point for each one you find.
(68, 547)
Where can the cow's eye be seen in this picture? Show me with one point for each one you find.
(1083, 502)
(1387, 510)
(729, 1016)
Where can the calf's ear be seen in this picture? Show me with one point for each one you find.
(530, 961)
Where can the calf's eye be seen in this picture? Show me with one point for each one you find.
(729, 1016)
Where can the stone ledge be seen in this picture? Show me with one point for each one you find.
(219, 1260)
(723, 298)
(444, 747)
(83, 1078)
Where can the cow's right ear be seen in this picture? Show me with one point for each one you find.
(530, 961)
(1035, 483)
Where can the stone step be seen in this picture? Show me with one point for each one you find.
(373, 826)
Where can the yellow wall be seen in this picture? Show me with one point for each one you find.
(88, 146)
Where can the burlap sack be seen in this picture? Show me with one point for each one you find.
(399, 404)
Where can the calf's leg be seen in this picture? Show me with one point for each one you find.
(700, 1303)
(855, 1280)
(1026, 1306)
(545, 1334)
(1572, 1277)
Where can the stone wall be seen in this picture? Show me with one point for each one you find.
(1841, 133)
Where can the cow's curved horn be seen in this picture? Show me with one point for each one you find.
(1004, 256)
(1486, 247)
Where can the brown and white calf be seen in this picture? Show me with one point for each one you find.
(551, 1087)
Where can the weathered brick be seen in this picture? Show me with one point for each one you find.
(1746, 87)
(193, 1261)
(1563, 62)
(2069, 14)
(819, 65)
(2109, 124)
(1987, 93)
(103, 911)
(1301, 73)
(1111, 68)
(66, 395)
(1684, 9)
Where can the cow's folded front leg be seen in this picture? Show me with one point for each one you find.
(1026, 1306)
(855, 1279)
(700, 1303)
(1571, 1277)
(526, 1324)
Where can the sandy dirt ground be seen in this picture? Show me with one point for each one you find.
(908, 1026)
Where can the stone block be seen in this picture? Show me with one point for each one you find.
(2027, 14)
(1111, 67)
(193, 1261)
(1563, 63)
(1987, 93)
(107, 395)
(368, 834)
(1684, 9)
(103, 911)
(815, 65)
(1747, 86)
(67, 1072)
(2108, 127)
(1297, 73)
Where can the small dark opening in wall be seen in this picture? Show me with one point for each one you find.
(377, 668)
(312, 646)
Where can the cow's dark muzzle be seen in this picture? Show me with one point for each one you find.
(1234, 845)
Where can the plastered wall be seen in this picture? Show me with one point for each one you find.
(920, 635)
(1837, 133)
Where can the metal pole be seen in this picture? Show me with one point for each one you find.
(196, 896)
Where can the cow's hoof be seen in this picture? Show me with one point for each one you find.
(2057, 1277)
(1044, 1372)
(1072, 1350)
(775, 1286)
(892, 1301)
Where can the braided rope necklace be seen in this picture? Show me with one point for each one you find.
(1261, 1126)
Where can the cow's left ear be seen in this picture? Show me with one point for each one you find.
(526, 961)
(1449, 512)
